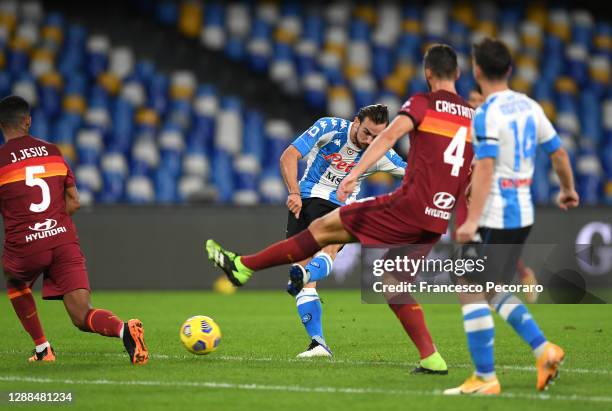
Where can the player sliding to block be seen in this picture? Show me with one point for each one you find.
(438, 162)
(507, 129)
(37, 198)
(332, 147)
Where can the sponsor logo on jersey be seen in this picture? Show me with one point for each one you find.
(48, 224)
(45, 229)
(337, 161)
(434, 212)
(444, 200)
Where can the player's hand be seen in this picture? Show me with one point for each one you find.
(466, 232)
(568, 199)
(346, 188)
(294, 204)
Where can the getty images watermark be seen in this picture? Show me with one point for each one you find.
(543, 273)
(406, 266)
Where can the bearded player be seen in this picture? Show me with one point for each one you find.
(439, 124)
(331, 146)
(37, 198)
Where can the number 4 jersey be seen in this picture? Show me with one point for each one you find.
(439, 159)
(33, 182)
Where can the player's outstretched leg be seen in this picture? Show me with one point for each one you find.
(229, 262)
(412, 319)
(480, 331)
(21, 298)
(548, 355)
(104, 322)
(321, 232)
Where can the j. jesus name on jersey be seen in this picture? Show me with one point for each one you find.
(30, 152)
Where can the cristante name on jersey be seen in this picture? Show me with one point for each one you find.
(30, 152)
(455, 109)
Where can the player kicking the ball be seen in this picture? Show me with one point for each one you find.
(507, 129)
(332, 147)
(37, 198)
(438, 163)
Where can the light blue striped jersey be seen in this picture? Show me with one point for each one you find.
(508, 127)
(330, 155)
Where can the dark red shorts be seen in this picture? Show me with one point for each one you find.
(63, 269)
(375, 221)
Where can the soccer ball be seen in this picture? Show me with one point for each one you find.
(200, 335)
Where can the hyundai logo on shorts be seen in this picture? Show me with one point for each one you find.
(444, 200)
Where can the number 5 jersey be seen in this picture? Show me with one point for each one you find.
(33, 182)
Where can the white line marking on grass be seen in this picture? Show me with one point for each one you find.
(290, 388)
(320, 361)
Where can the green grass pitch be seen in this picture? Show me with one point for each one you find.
(255, 366)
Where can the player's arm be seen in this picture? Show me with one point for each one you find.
(72, 200)
(568, 197)
(482, 178)
(379, 147)
(549, 141)
(486, 149)
(300, 147)
(71, 195)
(289, 170)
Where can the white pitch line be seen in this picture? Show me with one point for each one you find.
(321, 361)
(291, 388)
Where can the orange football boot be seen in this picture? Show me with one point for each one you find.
(548, 365)
(133, 340)
(476, 385)
(48, 355)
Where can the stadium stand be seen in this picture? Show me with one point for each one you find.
(138, 134)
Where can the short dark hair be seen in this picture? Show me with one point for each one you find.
(13, 111)
(441, 59)
(493, 57)
(378, 113)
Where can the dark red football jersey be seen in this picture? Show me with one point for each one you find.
(33, 182)
(439, 159)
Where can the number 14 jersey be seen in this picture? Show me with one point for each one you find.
(33, 182)
(439, 160)
(508, 128)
